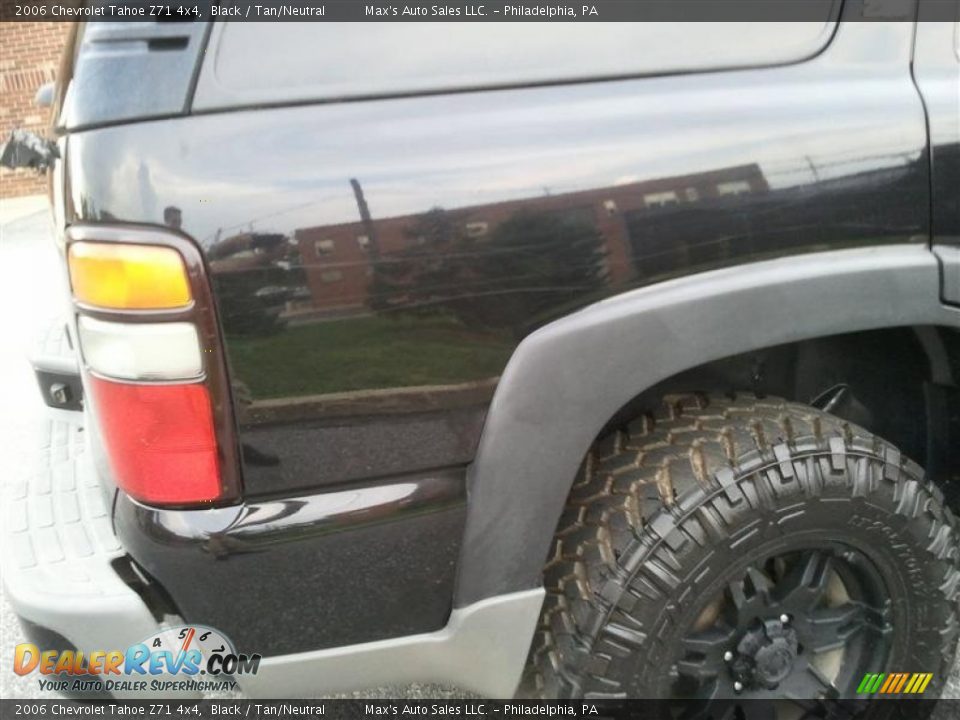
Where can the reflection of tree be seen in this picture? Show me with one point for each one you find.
(420, 273)
(254, 275)
(529, 264)
(415, 276)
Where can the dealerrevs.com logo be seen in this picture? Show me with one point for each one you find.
(188, 658)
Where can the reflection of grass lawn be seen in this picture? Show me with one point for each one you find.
(364, 353)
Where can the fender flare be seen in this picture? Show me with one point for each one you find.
(566, 380)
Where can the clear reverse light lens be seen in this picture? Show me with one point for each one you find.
(149, 351)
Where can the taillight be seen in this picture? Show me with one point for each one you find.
(127, 277)
(157, 380)
(160, 440)
(141, 351)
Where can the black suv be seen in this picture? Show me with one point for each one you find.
(594, 360)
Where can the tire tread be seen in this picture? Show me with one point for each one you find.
(676, 476)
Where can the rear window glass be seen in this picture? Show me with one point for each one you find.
(260, 62)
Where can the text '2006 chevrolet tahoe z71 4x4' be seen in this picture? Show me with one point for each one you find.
(616, 360)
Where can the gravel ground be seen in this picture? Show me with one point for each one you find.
(30, 284)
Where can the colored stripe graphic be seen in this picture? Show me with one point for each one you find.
(914, 683)
(891, 680)
(900, 683)
(894, 683)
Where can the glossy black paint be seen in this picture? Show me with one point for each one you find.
(374, 261)
(303, 573)
(375, 264)
(936, 70)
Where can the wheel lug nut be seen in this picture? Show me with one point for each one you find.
(784, 618)
(728, 656)
(738, 686)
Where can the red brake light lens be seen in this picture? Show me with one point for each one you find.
(160, 440)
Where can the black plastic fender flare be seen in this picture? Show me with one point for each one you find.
(565, 381)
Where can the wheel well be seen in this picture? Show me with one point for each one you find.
(900, 383)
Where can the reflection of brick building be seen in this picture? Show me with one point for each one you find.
(29, 53)
(337, 257)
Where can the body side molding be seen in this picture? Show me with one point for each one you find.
(565, 381)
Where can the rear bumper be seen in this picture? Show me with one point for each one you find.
(289, 575)
(59, 555)
(354, 586)
(58, 549)
(483, 649)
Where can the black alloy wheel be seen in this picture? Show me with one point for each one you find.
(802, 624)
(747, 551)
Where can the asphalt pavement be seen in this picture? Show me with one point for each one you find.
(31, 297)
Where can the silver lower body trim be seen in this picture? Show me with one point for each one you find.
(483, 649)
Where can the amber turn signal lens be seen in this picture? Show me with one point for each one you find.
(128, 277)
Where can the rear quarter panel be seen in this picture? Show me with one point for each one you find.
(376, 262)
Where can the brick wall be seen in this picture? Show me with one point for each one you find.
(29, 56)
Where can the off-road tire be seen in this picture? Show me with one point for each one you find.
(664, 507)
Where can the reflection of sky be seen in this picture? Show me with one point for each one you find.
(230, 171)
(217, 520)
(470, 54)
